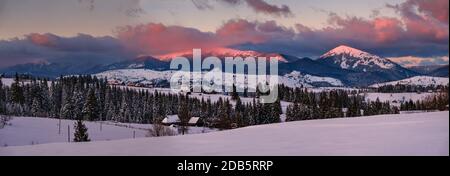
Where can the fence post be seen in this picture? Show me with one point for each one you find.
(59, 126)
(68, 133)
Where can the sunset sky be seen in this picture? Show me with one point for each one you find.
(409, 31)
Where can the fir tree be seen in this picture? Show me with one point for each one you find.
(81, 134)
(184, 116)
(2, 97)
(234, 94)
(78, 103)
(35, 108)
(17, 91)
(223, 115)
(90, 108)
(67, 110)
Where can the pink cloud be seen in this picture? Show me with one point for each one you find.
(437, 9)
(387, 29)
(425, 19)
(155, 38)
(41, 39)
(419, 31)
(238, 31)
(160, 39)
(411, 61)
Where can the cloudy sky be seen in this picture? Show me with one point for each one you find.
(409, 31)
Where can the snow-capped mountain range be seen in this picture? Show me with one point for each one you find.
(222, 53)
(351, 66)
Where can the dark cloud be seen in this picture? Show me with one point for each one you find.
(202, 4)
(131, 8)
(259, 6)
(264, 7)
(52, 48)
(90, 4)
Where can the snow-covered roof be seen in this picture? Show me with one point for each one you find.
(171, 119)
(194, 120)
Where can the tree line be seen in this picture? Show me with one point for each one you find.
(432, 102)
(309, 105)
(401, 88)
(91, 98)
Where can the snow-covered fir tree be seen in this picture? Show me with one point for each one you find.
(90, 109)
(81, 132)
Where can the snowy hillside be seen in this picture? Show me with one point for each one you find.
(418, 81)
(305, 79)
(32, 131)
(407, 134)
(144, 76)
(7, 81)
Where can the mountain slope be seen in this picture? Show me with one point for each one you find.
(141, 62)
(52, 70)
(440, 72)
(431, 70)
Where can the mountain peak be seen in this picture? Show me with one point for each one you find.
(343, 49)
(351, 58)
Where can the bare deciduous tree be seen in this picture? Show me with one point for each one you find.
(158, 129)
(4, 120)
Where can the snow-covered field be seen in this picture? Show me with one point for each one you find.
(418, 81)
(407, 134)
(7, 81)
(31, 131)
